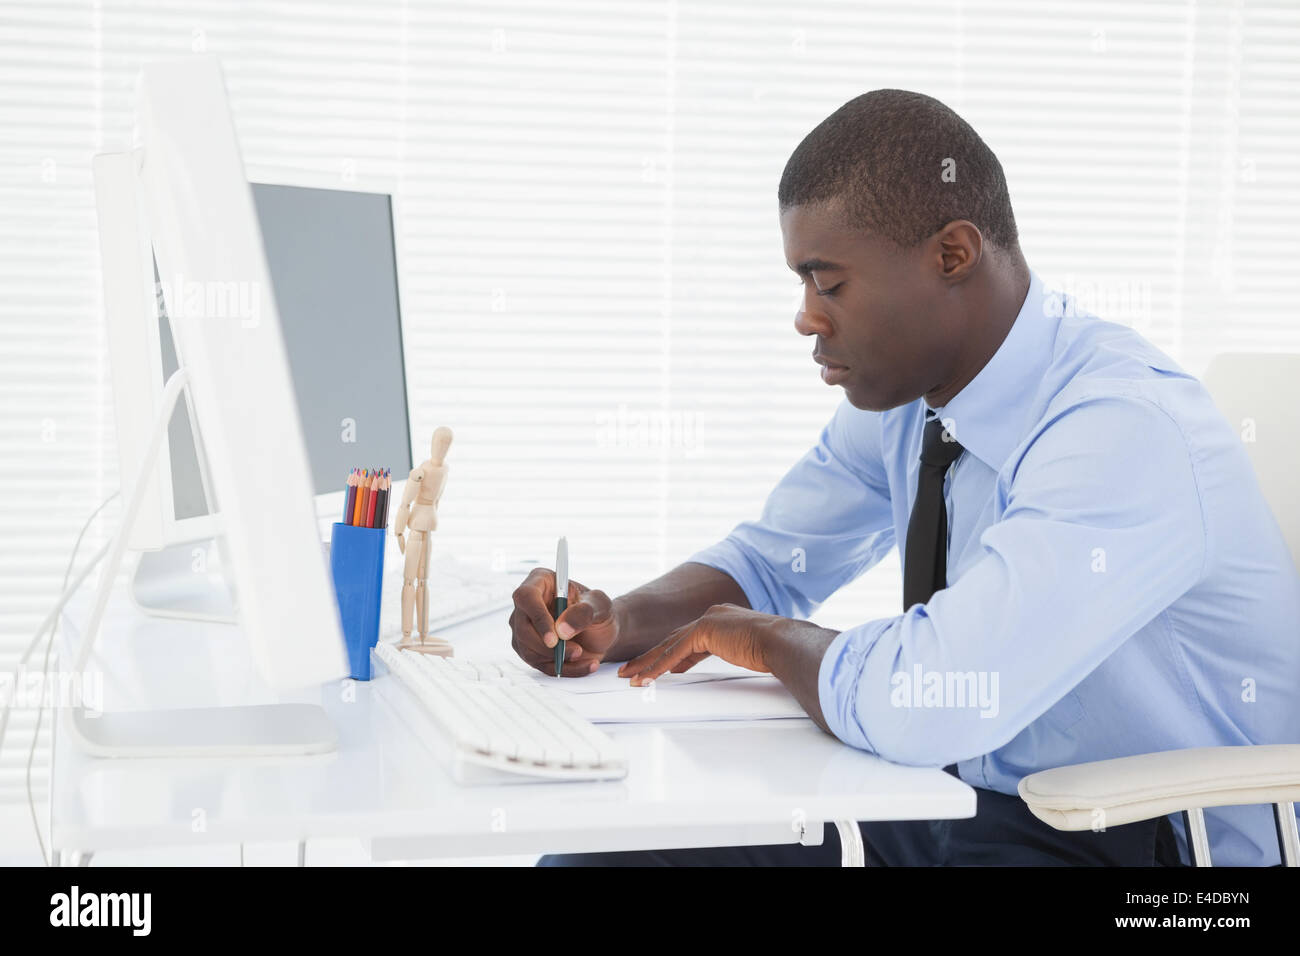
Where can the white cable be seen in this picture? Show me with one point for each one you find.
(31, 753)
(45, 682)
(45, 676)
(49, 624)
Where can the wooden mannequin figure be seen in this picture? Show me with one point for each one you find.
(419, 512)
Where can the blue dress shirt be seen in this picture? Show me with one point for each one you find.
(1116, 581)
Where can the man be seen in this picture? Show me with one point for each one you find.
(1081, 530)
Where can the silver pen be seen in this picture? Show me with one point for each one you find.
(561, 597)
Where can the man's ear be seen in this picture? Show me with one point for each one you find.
(958, 247)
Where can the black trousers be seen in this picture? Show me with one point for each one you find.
(1002, 833)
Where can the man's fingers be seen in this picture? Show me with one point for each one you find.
(640, 661)
(573, 668)
(671, 656)
(593, 607)
(536, 623)
(532, 600)
(686, 663)
(680, 645)
(544, 661)
(525, 632)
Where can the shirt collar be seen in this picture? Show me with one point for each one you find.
(988, 416)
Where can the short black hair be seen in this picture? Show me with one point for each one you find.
(884, 154)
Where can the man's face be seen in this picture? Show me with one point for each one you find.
(877, 311)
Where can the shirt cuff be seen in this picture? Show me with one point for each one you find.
(728, 556)
(838, 677)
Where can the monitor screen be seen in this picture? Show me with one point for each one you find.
(333, 267)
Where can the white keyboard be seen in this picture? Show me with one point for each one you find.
(493, 716)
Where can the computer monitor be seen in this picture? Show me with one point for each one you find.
(184, 199)
(333, 266)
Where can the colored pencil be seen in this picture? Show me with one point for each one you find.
(372, 499)
(370, 494)
(367, 489)
(356, 508)
(388, 494)
(349, 497)
(356, 496)
(388, 484)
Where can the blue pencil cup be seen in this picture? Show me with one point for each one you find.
(357, 564)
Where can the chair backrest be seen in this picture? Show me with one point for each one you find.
(1259, 393)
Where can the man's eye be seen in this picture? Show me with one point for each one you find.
(831, 290)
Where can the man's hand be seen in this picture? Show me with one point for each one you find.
(736, 634)
(588, 625)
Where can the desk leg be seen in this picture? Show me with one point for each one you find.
(853, 852)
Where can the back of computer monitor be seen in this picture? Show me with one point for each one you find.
(208, 247)
(333, 262)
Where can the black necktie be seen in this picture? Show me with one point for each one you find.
(925, 562)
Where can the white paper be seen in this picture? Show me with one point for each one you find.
(712, 690)
(606, 679)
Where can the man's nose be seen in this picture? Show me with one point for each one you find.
(810, 321)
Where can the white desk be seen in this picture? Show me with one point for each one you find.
(689, 784)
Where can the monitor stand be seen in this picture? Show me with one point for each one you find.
(256, 730)
(184, 581)
(240, 731)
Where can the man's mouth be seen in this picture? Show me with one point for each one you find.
(832, 373)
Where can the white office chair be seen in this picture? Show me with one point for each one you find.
(1259, 392)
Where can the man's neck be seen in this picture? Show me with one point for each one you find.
(1000, 305)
